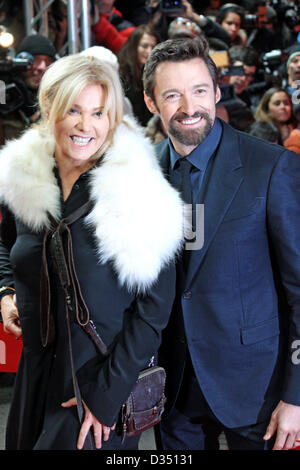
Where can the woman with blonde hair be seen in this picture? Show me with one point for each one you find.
(120, 261)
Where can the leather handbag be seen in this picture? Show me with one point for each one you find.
(144, 407)
(145, 404)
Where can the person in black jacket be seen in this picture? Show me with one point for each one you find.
(21, 109)
(260, 37)
(84, 151)
(132, 58)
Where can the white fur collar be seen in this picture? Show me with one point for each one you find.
(137, 215)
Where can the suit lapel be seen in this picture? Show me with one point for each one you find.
(163, 153)
(225, 179)
(224, 182)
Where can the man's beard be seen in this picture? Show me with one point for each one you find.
(191, 137)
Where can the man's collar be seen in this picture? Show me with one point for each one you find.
(200, 156)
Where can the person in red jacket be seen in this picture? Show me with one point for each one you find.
(111, 29)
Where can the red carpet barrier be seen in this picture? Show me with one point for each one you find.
(10, 351)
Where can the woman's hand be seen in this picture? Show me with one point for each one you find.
(101, 432)
(10, 316)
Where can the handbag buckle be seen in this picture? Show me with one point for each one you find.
(151, 363)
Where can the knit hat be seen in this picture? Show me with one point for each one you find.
(291, 57)
(36, 44)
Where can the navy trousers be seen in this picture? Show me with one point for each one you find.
(179, 432)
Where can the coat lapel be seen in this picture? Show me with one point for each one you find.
(225, 180)
(162, 150)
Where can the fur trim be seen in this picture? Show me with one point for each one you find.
(137, 216)
(27, 182)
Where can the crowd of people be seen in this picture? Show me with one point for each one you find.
(260, 41)
(95, 230)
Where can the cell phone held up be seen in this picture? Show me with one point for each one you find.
(171, 6)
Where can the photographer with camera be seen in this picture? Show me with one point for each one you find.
(42, 53)
(163, 12)
(259, 37)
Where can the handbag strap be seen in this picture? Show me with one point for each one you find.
(79, 403)
(62, 255)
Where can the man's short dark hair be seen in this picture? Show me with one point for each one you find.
(177, 50)
(245, 54)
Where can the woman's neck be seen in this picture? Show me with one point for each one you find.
(69, 173)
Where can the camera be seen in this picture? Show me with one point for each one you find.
(272, 60)
(11, 65)
(13, 90)
(249, 21)
(13, 93)
(292, 17)
(165, 6)
(288, 12)
(171, 6)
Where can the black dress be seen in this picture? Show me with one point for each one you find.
(128, 323)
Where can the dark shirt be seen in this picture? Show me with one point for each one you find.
(79, 194)
(191, 401)
(199, 157)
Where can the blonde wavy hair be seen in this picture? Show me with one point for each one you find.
(65, 79)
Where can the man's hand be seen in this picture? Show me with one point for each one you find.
(188, 9)
(192, 15)
(101, 432)
(285, 420)
(10, 316)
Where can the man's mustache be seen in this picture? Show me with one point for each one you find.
(197, 114)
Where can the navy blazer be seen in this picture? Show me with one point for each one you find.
(241, 300)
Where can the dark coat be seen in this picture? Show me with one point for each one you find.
(129, 309)
(238, 312)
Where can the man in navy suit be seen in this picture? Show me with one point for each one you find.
(232, 346)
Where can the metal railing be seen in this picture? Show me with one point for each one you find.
(79, 31)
